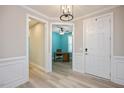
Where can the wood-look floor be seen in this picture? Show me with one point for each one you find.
(63, 77)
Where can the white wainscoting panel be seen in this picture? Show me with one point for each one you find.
(78, 62)
(13, 71)
(117, 69)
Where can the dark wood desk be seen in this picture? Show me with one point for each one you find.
(64, 56)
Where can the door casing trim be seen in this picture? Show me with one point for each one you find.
(27, 39)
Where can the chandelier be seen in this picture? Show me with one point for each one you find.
(67, 13)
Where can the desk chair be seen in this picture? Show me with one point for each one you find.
(58, 55)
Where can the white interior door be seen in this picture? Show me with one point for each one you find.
(97, 46)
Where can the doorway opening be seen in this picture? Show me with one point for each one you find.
(35, 43)
(62, 48)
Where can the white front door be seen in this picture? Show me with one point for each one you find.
(97, 46)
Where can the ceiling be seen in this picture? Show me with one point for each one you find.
(66, 28)
(53, 11)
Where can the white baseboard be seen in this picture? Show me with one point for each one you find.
(37, 66)
(117, 69)
(13, 71)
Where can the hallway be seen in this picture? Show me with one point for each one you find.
(63, 77)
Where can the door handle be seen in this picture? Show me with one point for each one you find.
(86, 50)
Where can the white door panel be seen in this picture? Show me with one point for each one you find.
(97, 41)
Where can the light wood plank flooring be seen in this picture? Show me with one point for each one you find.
(63, 77)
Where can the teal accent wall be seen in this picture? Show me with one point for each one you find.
(55, 42)
(60, 42)
(64, 42)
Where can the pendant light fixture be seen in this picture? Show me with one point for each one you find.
(61, 32)
(67, 13)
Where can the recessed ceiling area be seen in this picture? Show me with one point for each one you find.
(53, 11)
(66, 28)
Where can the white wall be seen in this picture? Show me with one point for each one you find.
(12, 32)
(13, 62)
(13, 29)
(36, 45)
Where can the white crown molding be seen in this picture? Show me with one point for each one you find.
(35, 11)
(78, 18)
(54, 19)
(96, 12)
